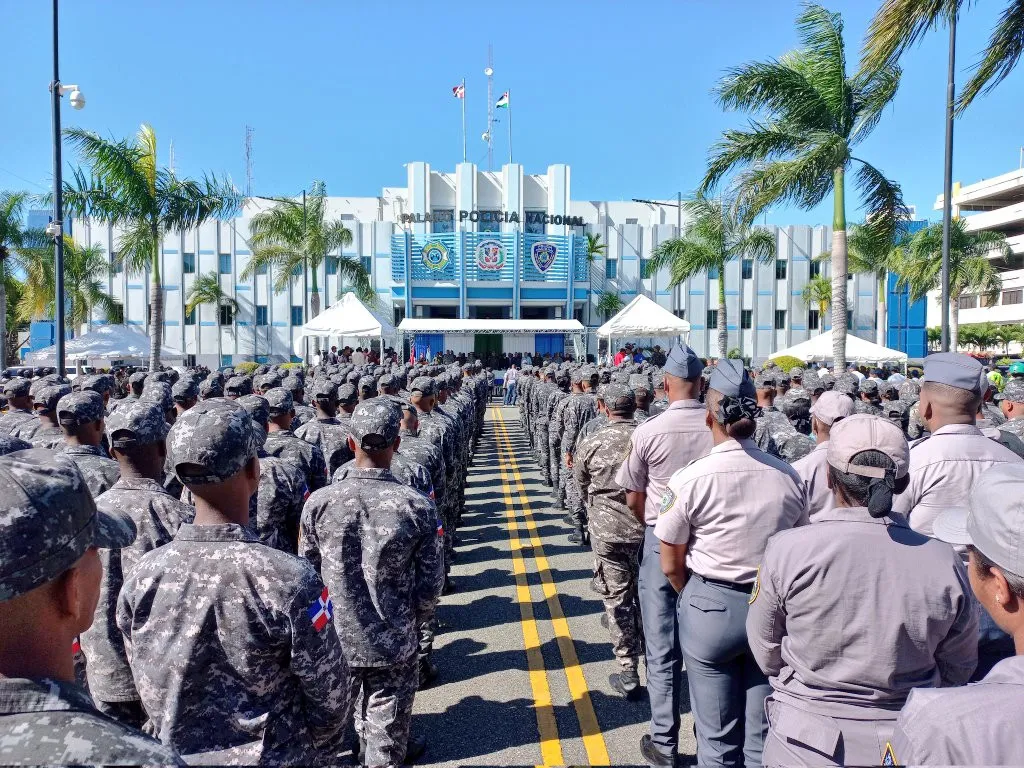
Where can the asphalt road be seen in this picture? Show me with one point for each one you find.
(523, 657)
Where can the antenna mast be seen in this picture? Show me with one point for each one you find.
(248, 161)
(489, 133)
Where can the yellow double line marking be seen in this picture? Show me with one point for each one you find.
(590, 730)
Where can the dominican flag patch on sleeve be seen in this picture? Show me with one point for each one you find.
(440, 529)
(321, 611)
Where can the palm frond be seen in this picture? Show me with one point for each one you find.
(206, 289)
(136, 247)
(883, 201)
(352, 270)
(817, 292)
(759, 244)
(899, 25)
(760, 142)
(1005, 46)
(822, 60)
(145, 143)
(117, 165)
(774, 87)
(873, 91)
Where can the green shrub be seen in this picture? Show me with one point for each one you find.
(786, 362)
(291, 366)
(246, 368)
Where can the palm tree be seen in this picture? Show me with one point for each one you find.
(127, 188)
(934, 337)
(712, 237)
(919, 266)
(595, 247)
(13, 238)
(85, 274)
(207, 290)
(609, 304)
(13, 324)
(818, 293)
(294, 237)
(899, 24)
(800, 148)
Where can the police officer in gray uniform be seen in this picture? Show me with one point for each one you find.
(850, 613)
(49, 580)
(713, 530)
(232, 644)
(19, 406)
(978, 724)
(377, 545)
(80, 415)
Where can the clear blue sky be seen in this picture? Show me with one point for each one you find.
(348, 92)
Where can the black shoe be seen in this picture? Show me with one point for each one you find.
(449, 586)
(604, 620)
(428, 673)
(567, 519)
(575, 537)
(415, 748)
(627, 684)
(651, 753)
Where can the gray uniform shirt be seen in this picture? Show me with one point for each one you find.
(813, 470)
(851, 613)
(284, 444)
(99, 471)
(16, 418)
(978, 724)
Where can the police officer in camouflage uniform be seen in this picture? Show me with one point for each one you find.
(1011, 402)
(580, 409)
(48, 433)
(556, 423)
(49, 580)
(773, 426)
(282, 443)
(80, 415)
(249, 667)
(868, 400)
(436, 428)
(19, 406)
(326, 431)
(616, 534)
(640, 383)
(387, 576)
(540, 395)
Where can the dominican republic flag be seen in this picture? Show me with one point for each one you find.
(440, 529)
(503, 101)
(412, 354)
(459, 91)
(321, 611)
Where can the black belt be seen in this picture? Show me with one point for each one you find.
(745, 588)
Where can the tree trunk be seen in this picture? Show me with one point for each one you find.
(883, 318)
(839, 273)
(314, 308)
(954, 325)
(156, 304)
(723, 327)
(220, 341)
(3, 313)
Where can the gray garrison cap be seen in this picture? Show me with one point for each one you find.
(730, 378)
(49, 520)
(279, 400)
(216, 437)
(85, 407)
(682, 362)
(954, 370)
(1012, 391)
(375, 424)
(17, 387)
(133, 426)
(993, 520)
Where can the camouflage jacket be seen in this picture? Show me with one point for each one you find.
(423, 451)
(308, 457)
(581, 408)
(14, 420)
(1014, 427)
(406, 471)
(331, 437)
(597, 459)
(100, 472)
(46, 436)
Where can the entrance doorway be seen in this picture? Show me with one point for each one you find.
(485, 344)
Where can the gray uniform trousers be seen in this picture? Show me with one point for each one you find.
(556, 468)
(543, 449)
(615, 579)
(661, 646)
(727, 687)
(382, 709)
(799, 737)
(574, 500)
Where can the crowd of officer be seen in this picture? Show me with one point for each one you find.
(227, 568)
(829, 559)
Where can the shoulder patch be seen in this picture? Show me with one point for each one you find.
(667, 500)
(321, 611)
(757, 587)
(889, 757)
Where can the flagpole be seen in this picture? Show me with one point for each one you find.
(463, 119)
(509, 126)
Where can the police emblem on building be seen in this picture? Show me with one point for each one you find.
(490, 255)
(543, 255)
(435, 256)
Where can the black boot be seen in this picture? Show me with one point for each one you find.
(415, 748)
(627, 684)
(428, 673)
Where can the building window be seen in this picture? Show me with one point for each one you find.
(225, 360)
(815, 268)
(780, 319)
(297, 270)
(813, 319)
(712, 318)
(645, 269)
(534, 223)
(296, 315)
(746, 319)
(849, 275)
(713, 273)
(968, 302)
(849, 318)
(190, 318)
(188, 263)
(261, 269)
(680, 313)
(631, 221)
(332, 265)
(1013, 296)
(490, 221)
(225, 314)
(780, 269)
(116, 263)
(224, 263)
(442, 220)
(611, 268)
(190, 361)
(990, 301)
(261, 314)
(367, 262)
(747, 268)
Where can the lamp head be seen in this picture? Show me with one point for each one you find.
(77, 99)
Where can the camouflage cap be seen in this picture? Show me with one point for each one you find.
(135, 425)
(352, 377)
(589, 375)
(368, 383)
(49, 520)
(279, 401)
(796, 372)
(1012, 391)
(257, 407)
(619, 399)
(267, 381)
(211, 442)
(17, 387)
(869, 387)
(165, 376)
(886, 388)
(765, 379)
(185, 390)
(826, 378)
(238, 385)
(796, 446)
(209, 388)
(324, 389)
(385, 381)
(137, 379)
(811, 382)
(38, 385)
(85, 407)
(158, 392)
(910, 391)
(100, 382)
(375, 424)
(293, 384)
(46, 399)
(639, 382)
(423, 385)
(347, 394)
(847, 384)
(657, 379)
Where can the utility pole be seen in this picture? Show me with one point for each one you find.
(58, 202)
(947, 187)
(489, 133)
(248, 161)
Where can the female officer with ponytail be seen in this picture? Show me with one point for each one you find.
(716, 518)
(855, 610)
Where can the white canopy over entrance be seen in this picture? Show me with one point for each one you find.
(819, 349)
(349, 317)
(104, 343)
(644, 317)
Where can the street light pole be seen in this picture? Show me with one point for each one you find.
(947, 188)
(58, 203)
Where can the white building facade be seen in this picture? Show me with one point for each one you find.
(483, 245)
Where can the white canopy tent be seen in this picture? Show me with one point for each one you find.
(411, 326)
(644, 317)
(819, 349)
(349, 318)
(104, 343)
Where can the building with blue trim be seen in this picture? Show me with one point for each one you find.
(484, 245)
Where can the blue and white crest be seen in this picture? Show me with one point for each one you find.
(543, 255)
(434, 255)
